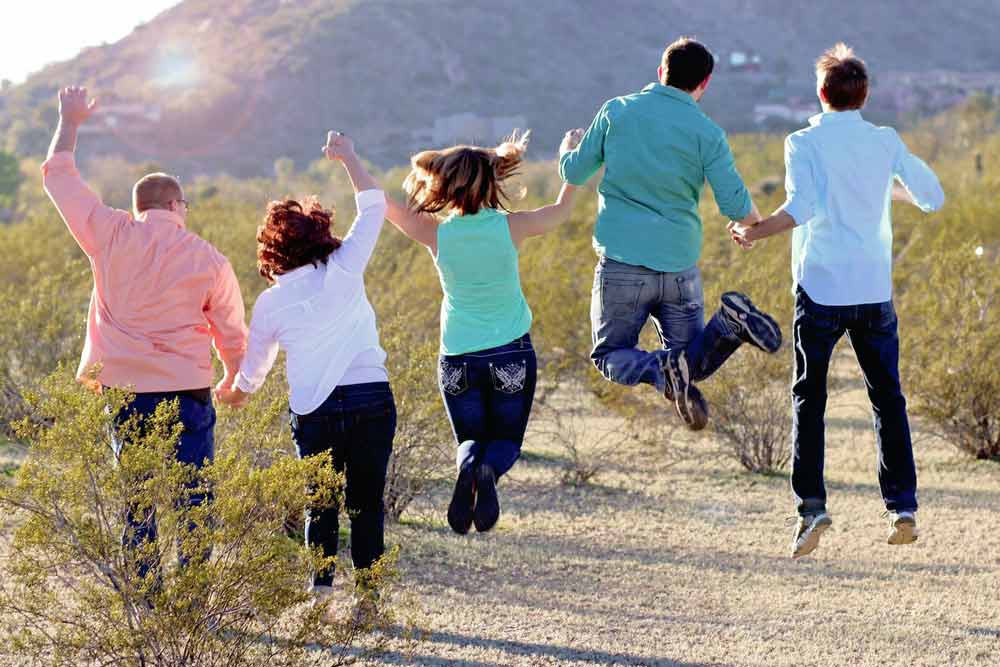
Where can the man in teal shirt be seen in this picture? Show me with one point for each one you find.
(658, 148)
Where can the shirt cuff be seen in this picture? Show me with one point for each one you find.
(60, 160)
(368, 198)
(243, 384)
(800, 213)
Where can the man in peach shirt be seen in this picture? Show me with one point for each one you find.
(162, 299)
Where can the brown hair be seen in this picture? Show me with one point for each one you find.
(843, 78)
(463, 178)
(156, 191)
(294, 235)
(686, 64)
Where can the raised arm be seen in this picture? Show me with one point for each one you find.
(421, 227)
(90, 222)
(586, 156)
(355, 251)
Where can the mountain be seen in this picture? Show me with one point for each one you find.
(231, 86)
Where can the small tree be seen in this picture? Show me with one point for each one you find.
(71, 593)
(951, 348)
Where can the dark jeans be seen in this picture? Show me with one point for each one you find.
(488, 396)
(196, 447)
(356, 424)
(625, 296)
(873, 335)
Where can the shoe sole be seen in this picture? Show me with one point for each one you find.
(904, 532)
(812, 539)
(485, 515)
(760, 327)
(688, 410)
(460, 509)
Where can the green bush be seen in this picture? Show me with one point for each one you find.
(71, 594)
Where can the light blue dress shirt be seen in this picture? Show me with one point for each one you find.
(839, 174)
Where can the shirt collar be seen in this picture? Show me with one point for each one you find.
(835, 117)
(294, 274)
(670, 91)
(161, 215)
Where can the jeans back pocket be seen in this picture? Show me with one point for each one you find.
(453, 377)
(509, 378)
(619, 296)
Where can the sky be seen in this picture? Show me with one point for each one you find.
(34, 33)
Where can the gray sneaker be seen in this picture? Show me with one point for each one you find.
(903, 528)
(807, 532)
(691, 406)
(751, 324)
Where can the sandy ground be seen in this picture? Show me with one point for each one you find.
(658, 563)
(689, 565)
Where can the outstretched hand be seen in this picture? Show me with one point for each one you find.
(338, 146)
(74, 107)
(571, 140)
(742, 235)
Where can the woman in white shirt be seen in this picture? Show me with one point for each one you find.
(339, 395)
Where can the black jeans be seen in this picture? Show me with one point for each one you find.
(488, 396)
(356, 424)
(872, 329)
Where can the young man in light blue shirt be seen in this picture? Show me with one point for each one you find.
(658, 148)
(840, 179)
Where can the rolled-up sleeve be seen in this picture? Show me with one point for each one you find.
(918, 179)
(355, 251)
(800, 183)
(91, 223)
(226, 317)
(578, 165)
(731, 194)
(262, 350)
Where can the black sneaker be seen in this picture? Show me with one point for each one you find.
(487, 503)
(462, 500)
(690, 404)
(750, 324)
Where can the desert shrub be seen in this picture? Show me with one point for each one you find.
(71, 594)
(950, 341)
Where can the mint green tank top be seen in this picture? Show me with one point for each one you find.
(483, 305)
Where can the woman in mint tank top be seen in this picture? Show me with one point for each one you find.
(487, 365)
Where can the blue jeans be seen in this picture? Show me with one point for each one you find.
(625, 296)
(356, 424)
(872, 329)
(488, 396)
(196, 447)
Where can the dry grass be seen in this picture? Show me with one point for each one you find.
(687, 564)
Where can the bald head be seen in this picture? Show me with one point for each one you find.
(156, 191)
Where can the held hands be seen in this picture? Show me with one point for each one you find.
(74, 109)
(743, 235)
(225, 393)
(570, 140)
(338, 146)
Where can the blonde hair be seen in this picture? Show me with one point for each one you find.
(464, 179)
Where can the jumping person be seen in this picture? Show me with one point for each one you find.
(841, 174)
(658, 148)
(317, 311)
(163, 297)
(487, 367)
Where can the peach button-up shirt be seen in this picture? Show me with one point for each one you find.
(163, 297)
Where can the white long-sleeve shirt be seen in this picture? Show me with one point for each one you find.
(320, 316)
(839, 174)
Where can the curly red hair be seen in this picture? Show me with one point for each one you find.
(294, 235)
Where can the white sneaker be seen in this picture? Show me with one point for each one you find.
(807, 533)
(327, 596)
(903, 528)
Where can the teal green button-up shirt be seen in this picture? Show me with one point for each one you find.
(658, 148)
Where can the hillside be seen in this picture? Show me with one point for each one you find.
(212, 86)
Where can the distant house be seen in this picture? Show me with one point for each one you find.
(470, 127)
(122, 117)
(793, 111)
(743, 61)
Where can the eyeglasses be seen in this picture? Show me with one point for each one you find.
(186, 203)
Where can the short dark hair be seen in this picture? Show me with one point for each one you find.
(294, 235)
(686, 64)
(843, 78)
